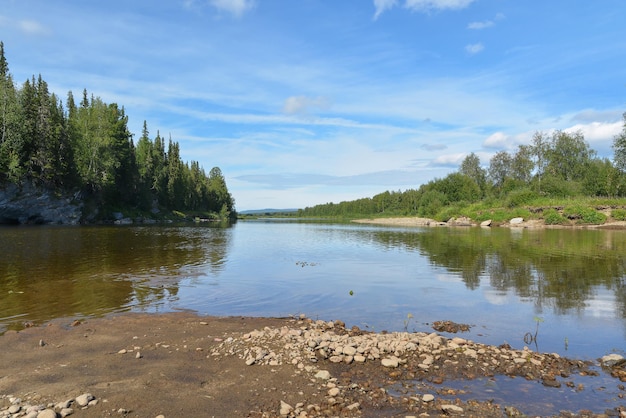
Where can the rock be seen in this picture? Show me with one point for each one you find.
(516, 221)
(28, 204)
(84, 399)
(323, 375)
(611, 360)
(389, 362)
(47, 413)
(486, 223)
(285, 408)
(333, 392)
(428, 398)
(349, 351)
(14, 409)
(451, 409)
(66, 412)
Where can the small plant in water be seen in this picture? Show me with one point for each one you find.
(409, 316)
(529, 337)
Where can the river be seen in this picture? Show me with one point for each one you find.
(560, 291)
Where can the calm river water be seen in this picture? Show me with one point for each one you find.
(567, 286)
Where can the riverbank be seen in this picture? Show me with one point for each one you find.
(514, 222)
(181, 364)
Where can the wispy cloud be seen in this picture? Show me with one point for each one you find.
(234, 7)
(473, 49)
(25, 26)
(428, 5)
(304, 105)
(421, 5)
(382, 5)
(485, 23)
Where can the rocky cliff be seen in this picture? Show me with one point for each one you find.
(28, 204)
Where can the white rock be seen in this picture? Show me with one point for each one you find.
(516, 221)
(322, 374)
(14, 409)
(47, 413)
(349, 350)
(66, 412)
(451, 408)
(333, 392)
(611, 359)
(428, 398)
(389, 362)
(285, 408)
(84, 399)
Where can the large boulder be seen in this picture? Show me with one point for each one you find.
(28, 204)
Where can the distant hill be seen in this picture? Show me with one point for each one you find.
(266, 211)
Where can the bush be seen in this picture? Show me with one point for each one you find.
(553, 217)
(584, 215)
(619, 214)
(520, 197)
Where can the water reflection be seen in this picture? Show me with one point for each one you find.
(559, 269)
(50, 272)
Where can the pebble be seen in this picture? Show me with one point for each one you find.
(428, 398)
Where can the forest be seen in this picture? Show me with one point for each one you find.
(86, 149)
(555, 167)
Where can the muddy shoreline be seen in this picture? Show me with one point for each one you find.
(182, 364)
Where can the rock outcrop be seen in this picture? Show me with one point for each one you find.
(28, 204)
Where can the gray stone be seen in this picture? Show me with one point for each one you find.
(516, 221)
(84, 399)
(285, 408)
(47, 413)
(27, 204)
(452, 409)
(611, 360)
(323, 375)
(428, 398)
(389, 362)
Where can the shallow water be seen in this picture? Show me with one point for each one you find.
(566, 286)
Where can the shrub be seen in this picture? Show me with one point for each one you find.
(584, 215)
(520, 197)
(619, 214)
(553, 217)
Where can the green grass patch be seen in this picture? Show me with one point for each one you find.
(619, 214)
(584, 215)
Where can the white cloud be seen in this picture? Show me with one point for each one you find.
(382, 5)
(481, 25)
(474, 48)
(31, 27)
(485, 23)
(421, 5)
(427, 5)
(597, 131)
(303, 104)
(236, 7)
(497, 140)
(449, 159)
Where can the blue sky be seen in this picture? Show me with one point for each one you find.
(313, 101)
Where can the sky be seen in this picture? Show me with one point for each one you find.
(313, 101)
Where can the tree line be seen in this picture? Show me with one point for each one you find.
(554, 165)
(87, 147)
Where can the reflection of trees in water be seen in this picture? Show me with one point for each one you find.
(55, 272)
(560, 269)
